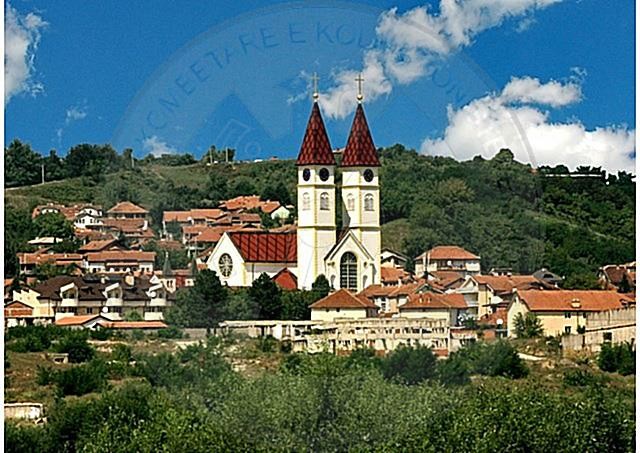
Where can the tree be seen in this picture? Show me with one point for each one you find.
(410, 365)
(22, 165)
(320, 288)
(266, 294)
(53, 224)
(92, 160)
(203, 304)
(18, 229)
(528, 326)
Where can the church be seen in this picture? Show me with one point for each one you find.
(348, 255)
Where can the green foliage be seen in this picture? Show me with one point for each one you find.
(18, 231)
(295, 304)
(133, 315)
(580, 377)
(493, 359)
(33, 338)
(121, 353)
(21, 165)
(53, 224)
(528, 326)
(202, 305)
(455, 370)
(171, 332)
(619, 358)
(82, 379)
(265, 294)
(75, 344)
(410, 365)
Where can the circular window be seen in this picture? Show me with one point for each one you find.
(306, 174)
(324, 174)
(225, 265)
(368, 175)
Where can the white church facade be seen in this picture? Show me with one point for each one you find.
(348, 255)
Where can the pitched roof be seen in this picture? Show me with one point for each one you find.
(99, 245)
(567, 300)
(343, 299)
(193, 214)
(76, 320)
(265, 247)
(121, 255)
(426, 301)
(449, 252)
(126, 207)
(59, 259)
(394, 275)
(286, 279)
(315, 148)
(125, 225)
(360, 150)
(503, 284)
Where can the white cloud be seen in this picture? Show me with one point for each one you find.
(490, 123)
(21, 38)
(409, 44)
(157, 147)
(75, 113)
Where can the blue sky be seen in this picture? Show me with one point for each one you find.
(553, 80)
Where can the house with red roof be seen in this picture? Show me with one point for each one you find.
(450, 307)
(342, 304)
(127, 210)
(447, 258)
(563, 311)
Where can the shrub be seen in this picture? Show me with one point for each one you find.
(454, 370)
(75, 344)
(171, 332)
(618, 357)
(410, 365)
(494, 359)
(122, 353)
(101, 334)
(580, 378)
(44, 375)
(527, 326)
(82, 379)
(267, 344)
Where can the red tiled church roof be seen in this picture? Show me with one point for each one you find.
(315, 149)
(360, 150)
(286, 279)
(266, 247)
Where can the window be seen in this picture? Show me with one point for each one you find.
(567, 314)
(324, 201)
(567, 329)
(225, 264)
(351, 202)
(607, 336)
(368, 202)
(115, 309)
(349, 271)
(306, 202)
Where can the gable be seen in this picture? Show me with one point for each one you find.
(348, 243)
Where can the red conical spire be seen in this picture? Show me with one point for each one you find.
(360, 150)
(315, 149)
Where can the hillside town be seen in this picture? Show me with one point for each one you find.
(115, 268)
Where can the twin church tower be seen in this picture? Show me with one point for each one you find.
(348, 256)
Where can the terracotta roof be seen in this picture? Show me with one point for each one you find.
(133, 324)
(210, 235)
(426, 301)
(373, 291)
(360, 150)
(561, 300)
(315, 148)
(614, 275)
(449, 252)
(265, 247)
(492, 318)
(121, 255)
(69, 212)
(193, 214)
(99, 245)
(126, 207)
(343, 299)
(125, 225)
(503, 284)
(286, 279)
(405, 290)
(17, 310)
(394, 275)
(75, 320)
(59, 259)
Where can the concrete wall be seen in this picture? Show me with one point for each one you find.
(29, 411)
(331, 314)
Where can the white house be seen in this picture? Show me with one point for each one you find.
(447, 258)
(342, 304)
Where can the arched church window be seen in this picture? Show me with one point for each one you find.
(306, 201)
(368, 202)
(351, 202)
(349, 271)
(324, 201)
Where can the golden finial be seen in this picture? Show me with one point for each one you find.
(315, 79)
(360, 96)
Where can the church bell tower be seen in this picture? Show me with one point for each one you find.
(316, 232)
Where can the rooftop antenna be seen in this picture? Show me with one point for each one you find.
(360, 96)
(315, 79)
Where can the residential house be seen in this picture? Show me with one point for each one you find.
(100, 245)
(390, 298)
(119, 261)
(391, 258)
(83, 216)
(240, 257)
(614, 276)
(393, 276)
(447, 258)
(29, 261)
(127, 210)
(132, 229)
(563, 311)
(451, 307)
(245, 203)
(342, 304)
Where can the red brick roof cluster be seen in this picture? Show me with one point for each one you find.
(315, 149)
(574, 300)
(265, 247)
(360, 150)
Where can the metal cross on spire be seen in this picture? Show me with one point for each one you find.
(315, 79)
(360, 79)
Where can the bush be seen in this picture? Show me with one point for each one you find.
(75, 344)
(528, 326)
(267, 344)
(454, 370)
(581, 378)
(171, 332)
(101, 334)
(44, 375)
(410, 365)
(494, 359)
(82, 379)
(122, 353)
(617, 358)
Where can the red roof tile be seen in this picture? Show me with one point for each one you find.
(503, 284)
(315, 149)
(394, 275)
(121, 256)
(99, 245)
(449, 252)
(126, 207)
(265, 247)
(426, 301)
(286, 279)
(75, 320)
(360, 150)
(561, 300)
(343, 299)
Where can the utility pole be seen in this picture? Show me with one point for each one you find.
(42, 172)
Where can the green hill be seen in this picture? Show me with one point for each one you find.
(510, 214)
